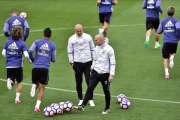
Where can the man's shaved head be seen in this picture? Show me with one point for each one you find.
(99, 39)
(79, 29)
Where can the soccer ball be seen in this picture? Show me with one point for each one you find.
(68, 106)
(54, 104)
(120, 98)
(57, 110)
(48, 111)
(61, 104)
(23, 15)
(125, 104)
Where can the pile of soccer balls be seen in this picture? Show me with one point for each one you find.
(124, 102)
(58, 108)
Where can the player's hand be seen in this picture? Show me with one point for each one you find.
(111, 78)
(97, 4)
(161, 13)
(72, 65)
(30, 62)
(24, 40)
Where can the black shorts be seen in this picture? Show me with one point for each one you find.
(152, 23)
(40, 75)
(105, 17)
(15, 73)
(169, 48)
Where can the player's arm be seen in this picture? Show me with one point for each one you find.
(27, 30)
(115, 2)
(27, 56)
(92, 47)
(6, 28)
(112, 64)
(160, 29)
(53, 56)
(144, 6)
(98, 2)
(158, 3)
(4, 50)
(4, 53)
(177, 29)
(30, 51)
(70, 52)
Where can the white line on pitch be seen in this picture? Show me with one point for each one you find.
(85, 27)
(103, 94)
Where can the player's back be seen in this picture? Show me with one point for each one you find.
(44, 49)
(16, 21)
(151, 9)
(169, 29)
(14, 52)
(105, 6)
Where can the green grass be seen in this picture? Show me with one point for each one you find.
(139, 70)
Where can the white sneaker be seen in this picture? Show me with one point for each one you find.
(171, 64)
(91, 103)
(101, 31)
(9, 85)
(106, 111)
(32, 93)
(80, 102)
(106, 40)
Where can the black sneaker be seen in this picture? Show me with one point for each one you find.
(106, 111)
(79, 107)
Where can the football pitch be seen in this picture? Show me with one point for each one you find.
(139, 71)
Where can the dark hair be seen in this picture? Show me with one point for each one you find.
(171, 11)
(17, 33)
(13, 11)
(47, 32)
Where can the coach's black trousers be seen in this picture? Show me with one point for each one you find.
(79, 69)
(95, 79)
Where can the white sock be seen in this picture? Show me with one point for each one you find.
(102, 30)
(166, 71)
(147, 37)
(17, 96)
(172, 57)
(157, 43)
(38, 103)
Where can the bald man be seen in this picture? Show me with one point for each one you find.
(102, 70)
(80, 52)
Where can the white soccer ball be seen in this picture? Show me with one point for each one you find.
(23, 15)
(61, 105)
(48, 111)
(57, 110)
(68, 106)
(125, 104)
(121, 97)
(54, 104)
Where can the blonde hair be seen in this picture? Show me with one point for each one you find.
(17, 33)
(171, 11)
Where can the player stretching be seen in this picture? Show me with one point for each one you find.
(13, 52)
(45, 52)
(15, 20)
(152, 20)
(171, 29)
(105, 14)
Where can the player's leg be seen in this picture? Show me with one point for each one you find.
(43, 81)
(149, 27)
(105, 83)
(35, 79)
(10, 78)
(106, 19)
(78, 75)
(165, 54)
(156, 25)
(87, 70)
(173, 53)
(19, 79)
(89, 93)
